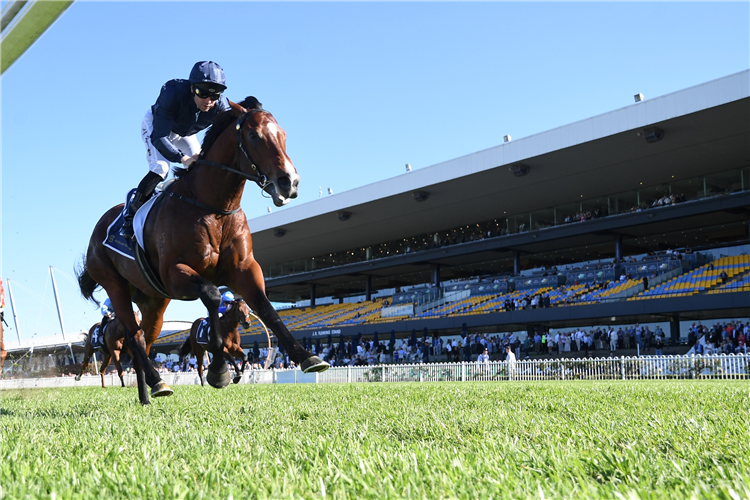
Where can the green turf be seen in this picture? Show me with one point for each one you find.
(645, 439)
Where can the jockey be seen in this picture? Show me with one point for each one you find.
(183, 108)
(226, 299)
(108, 315)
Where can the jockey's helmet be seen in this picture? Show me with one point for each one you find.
(209, 76)
(108, 303)
(227, 297)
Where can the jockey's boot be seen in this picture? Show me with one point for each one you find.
(103, 325)
(127, 223)
(142, 193)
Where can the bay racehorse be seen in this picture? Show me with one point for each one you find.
(113, 335)
(237, 313)
(197, 239)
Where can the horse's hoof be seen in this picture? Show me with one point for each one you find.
(314, 364)
(218, 379)
(236, 380)
(161, 389)
(78, 378)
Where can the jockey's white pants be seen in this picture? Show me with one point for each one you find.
(188, 146)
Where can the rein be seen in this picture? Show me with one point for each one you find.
(257, 177)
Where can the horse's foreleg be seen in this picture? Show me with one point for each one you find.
(88, 352)
(199, 364)
(249, 281)
(234, 350)
(185, 282)
(237, 372)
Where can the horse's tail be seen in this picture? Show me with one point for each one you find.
(86, 283)
(186, 348)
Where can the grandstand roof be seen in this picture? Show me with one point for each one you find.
(46, 343)
(707, 130)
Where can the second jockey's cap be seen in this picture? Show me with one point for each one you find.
(209, 75)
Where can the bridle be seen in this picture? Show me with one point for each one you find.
(256, 176)
(260, 179)
(243, 318)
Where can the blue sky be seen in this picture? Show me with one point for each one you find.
(361, 89)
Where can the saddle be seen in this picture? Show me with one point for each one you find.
(134, 250)
(97, 339)
(201, 334)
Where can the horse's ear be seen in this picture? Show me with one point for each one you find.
(237, 110)
(251, 102)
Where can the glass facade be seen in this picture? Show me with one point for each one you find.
(717, 184)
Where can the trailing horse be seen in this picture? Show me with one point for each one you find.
(196, 239)
(113, 336)
(237, 313)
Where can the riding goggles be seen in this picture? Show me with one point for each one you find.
(205, 94)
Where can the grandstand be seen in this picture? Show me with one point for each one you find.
(557, 216)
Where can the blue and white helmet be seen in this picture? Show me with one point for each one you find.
(227, 297)
(108, 303)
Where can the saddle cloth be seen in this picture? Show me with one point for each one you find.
(97, 338)
(201, 335)
(119, 243)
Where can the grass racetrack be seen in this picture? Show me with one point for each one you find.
(620, 439)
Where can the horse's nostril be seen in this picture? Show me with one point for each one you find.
(285, 183)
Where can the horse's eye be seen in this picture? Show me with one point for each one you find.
(253, 135)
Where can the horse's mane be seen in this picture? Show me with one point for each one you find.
(221, 122)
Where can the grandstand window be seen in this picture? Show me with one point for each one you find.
(595, 207)
(724, 183)
(542, 218)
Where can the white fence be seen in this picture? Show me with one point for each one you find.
(622, 368)
(725, 367)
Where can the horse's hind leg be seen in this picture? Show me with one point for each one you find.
(3, 352)
(249, 282)
(185, 282)
(118, 365)
(134, 340)
(152, 310)
(105, 363)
